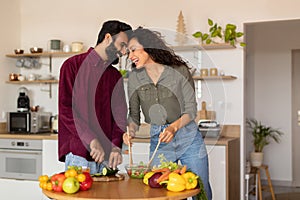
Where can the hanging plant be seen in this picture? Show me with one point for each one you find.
(229, 34)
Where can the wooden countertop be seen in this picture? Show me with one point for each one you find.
(125, 189)
(208, 141)
(51, 136)
(26, 136)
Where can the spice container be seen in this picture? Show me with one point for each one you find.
(204, 72)
(213, 72)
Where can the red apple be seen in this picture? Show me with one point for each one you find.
(71, 185)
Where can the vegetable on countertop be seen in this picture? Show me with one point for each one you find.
(147, 176)
(191, 180)
(153, 180)
(176, 182)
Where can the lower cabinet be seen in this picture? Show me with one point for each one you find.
(51, 165)
(13, 189)
(224, 169)
(217, 171)
(224, 166)
(20, 189)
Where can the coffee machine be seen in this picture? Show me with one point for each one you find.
(23, 100)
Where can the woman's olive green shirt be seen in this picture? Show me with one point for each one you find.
(165, 102)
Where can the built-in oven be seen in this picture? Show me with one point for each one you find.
(20, 159)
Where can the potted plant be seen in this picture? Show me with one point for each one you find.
(229, 34)
(262, 135)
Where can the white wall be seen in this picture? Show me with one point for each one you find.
(9, 40)
(76, 20)
(270, 62)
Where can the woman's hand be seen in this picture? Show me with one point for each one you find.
(127, 137)
(168, 134)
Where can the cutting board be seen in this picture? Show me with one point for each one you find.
(117, 177)
(205, 114)
(203, 111)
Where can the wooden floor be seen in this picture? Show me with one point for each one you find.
(277, 190)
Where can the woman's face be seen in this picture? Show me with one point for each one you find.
(137, 54)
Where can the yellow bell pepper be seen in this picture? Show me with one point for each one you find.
(191, 180)
(176, 182)
(146, 177)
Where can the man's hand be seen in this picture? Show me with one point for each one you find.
(97, 151)
(115, 158)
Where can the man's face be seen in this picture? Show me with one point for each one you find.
(117, 48)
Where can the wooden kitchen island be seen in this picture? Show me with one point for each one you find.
(127, 189)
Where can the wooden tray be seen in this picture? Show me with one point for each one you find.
(117, 177)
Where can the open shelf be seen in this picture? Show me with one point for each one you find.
(227, 77)
(214, 46)
(44, 54)
(49, 55)
(33, 82)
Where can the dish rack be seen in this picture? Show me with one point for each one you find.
(209, 128)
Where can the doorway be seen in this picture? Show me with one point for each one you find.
(270, 89)
(296, 117)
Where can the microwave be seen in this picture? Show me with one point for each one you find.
(29, 122)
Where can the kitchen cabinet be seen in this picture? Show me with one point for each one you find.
(224, 169)
(51, 165)
(49, 55)
(20, 189)
(30, 189)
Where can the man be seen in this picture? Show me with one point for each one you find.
(92, 105)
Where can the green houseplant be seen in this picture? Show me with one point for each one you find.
(229, 34)
(262, 136)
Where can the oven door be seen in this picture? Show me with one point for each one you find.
(20, 164)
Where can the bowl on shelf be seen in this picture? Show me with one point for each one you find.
(36, 50)
(137, 170)
(19, 51)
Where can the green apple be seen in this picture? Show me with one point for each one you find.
(71, 185)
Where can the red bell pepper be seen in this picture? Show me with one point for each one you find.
(87, 184)
(57, 181)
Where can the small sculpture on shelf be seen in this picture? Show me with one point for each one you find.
(181, 32)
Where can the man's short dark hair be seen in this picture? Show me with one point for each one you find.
(113, 27)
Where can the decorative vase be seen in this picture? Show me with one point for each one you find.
(256, 158)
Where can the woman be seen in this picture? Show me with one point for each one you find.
(161, 85)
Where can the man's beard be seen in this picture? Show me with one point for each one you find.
(113, 54)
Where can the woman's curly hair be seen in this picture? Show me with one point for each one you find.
(155, 46)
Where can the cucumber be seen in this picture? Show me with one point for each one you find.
(104, 171)
(108, 172)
